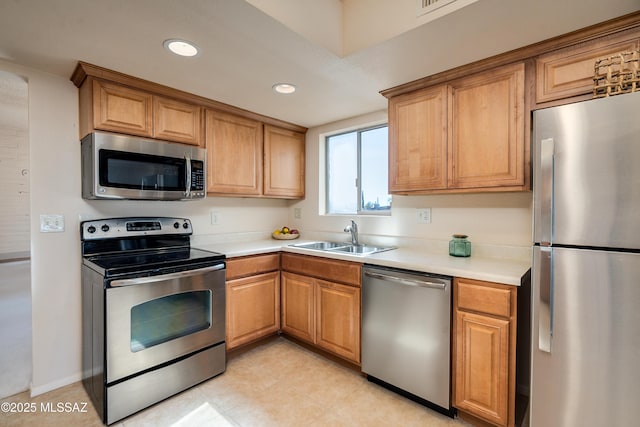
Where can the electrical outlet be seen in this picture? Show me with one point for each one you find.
(51, 223)
(297, 213)
(423, 216)
(215, 217)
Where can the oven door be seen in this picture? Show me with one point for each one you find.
(154, 320)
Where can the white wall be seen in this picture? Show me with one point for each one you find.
(56, 189)
(489, 219)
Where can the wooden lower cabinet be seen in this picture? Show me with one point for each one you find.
(318, 309)
(298, 309)
(338, 319)
(484, 350)
(253, 299)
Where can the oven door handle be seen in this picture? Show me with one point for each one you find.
(162, 277)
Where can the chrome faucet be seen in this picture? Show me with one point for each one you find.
(353, 229)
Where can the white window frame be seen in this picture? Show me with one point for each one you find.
(360, 211)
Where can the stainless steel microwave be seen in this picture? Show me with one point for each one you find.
(126, 167)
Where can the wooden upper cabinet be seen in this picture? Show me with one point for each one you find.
(418, 140)
(234, 154)
(568, 72)
(120, 109)
(249, 158)
(177, 121)
(487, 129)
(464, 136)
(284, 158)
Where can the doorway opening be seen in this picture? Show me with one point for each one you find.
(15, 263)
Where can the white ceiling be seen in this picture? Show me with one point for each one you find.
(245, 51)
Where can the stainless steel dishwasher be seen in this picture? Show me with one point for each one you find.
(406, 334)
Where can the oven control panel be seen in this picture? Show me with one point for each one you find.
(113, 228)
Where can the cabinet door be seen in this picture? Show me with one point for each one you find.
(298, 306)
(283, 162)
(338, 319)
(253, 308)
(234, 154)
(487, 130)
(482, 366)
(569, 72)
(177, 121)
(418, 141)
(121, 109)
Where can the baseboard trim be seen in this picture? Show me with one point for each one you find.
(44, 388)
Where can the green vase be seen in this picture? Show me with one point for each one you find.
(460, 246)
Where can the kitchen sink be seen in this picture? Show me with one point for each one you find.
(320, 246)
(361, 249)
(343, 247)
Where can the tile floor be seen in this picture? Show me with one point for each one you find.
(275, 384)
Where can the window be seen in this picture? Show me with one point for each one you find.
(357, 172)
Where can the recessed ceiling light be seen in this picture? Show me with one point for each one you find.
(285, 88)
(181, 47)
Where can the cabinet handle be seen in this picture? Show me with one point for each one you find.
(163, 277)
(409, 282)
(544, 195)
(545, 310)
(187, 191)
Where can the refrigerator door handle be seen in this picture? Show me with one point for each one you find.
(545, 311)
(545, 192)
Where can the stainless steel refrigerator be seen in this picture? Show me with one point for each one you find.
(585, 367)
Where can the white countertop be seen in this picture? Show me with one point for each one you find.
(506, 271)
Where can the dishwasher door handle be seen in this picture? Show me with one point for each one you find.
(409, 282)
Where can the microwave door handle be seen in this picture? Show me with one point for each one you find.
(187, 191)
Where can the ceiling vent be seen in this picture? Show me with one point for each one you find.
(428, 6)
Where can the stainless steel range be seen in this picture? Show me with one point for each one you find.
(153, 312)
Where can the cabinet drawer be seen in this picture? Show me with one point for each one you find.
(251, 265)
(484, 297)
(324, 268)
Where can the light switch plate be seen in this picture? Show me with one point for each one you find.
(215, 217)
(51, 223)
(423, 216)
(297, 213)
